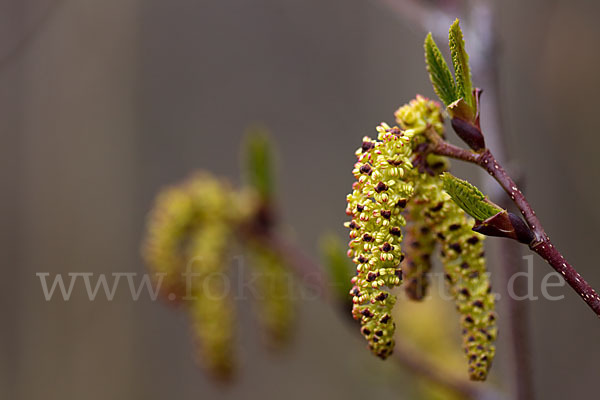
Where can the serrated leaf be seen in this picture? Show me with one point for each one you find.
(439, 73)
(460, 60)
(339, 268)
(469, 198)
(258, 161)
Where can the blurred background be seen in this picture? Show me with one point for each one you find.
(104, 102)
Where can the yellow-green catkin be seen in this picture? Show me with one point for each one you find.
(169, 222)
(421, 235)
(379, 196)
(468, 280)
(273, 293)
(419, 114)
(200, 200)
(461, 248)
(212, 313)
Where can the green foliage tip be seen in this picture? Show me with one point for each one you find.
(469, 198)
(258, 161)
(439, 73)
(460, 60)
(339, 268)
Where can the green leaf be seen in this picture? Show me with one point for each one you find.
(469, 198)
(339, 268)
(460, 60)
(258, 161)
(439, 73)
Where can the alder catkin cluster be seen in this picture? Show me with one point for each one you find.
(399, 164)
(189, 235)
(191, 232)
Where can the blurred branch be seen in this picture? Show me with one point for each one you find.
(31, 34)
(411, 360)
(421, 14)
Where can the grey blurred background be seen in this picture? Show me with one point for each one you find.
(104, 102)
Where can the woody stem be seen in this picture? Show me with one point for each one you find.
(541, 243)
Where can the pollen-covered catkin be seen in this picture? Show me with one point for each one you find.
(379, 196)
(417, 116)
(467, 278)
(273, 295)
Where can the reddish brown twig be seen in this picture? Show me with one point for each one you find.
(541, 243)
(410, 359)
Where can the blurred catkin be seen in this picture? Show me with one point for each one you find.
(192, 230)
(275, 306)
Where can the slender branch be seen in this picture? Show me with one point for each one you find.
(311, 273)
(419, 366)
(541, 243)
(482, 30)
(440, 146)
(517, 318)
